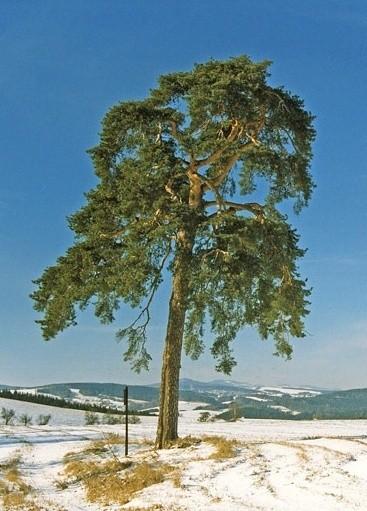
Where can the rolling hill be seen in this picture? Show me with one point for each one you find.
(228, 399)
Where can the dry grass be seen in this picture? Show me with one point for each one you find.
(14, 492)
(224, 448)
(12, 475)
(302, 454)
(114, 438)
(81, 470)
(111, 481)
(104, 444)
(155, 507)
(176, 478)
(11, 463)
(184, 442)
(114, 482)
(216, 500)
(14, 501)
(96, 447)
(146, 441)
(300, 449)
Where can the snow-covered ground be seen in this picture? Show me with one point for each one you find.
(278, 466)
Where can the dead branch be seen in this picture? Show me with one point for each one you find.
(146, 309)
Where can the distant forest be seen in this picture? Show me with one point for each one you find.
(347, 404)
(64, 403)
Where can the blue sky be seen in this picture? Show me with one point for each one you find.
(63, 64)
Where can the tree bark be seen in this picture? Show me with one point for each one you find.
(171, 365)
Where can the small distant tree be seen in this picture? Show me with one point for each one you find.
(112, 419)
(91, 418)
(204, 417)
(178, 172)
(43, 420)
(134, 419)
(8, 415)
(25, 419)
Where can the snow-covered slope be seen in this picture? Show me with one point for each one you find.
(59, 416)
(278, 465)
(289, 390)
(266, 402)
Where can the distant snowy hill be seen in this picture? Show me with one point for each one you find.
(227, 399)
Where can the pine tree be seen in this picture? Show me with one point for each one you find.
(178, 175)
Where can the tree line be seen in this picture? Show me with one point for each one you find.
(63, 403)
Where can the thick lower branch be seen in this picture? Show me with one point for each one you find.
(253, 207)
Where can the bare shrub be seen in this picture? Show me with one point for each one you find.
(91, 418)
(25, 419)
(43, 420)
(8, 415)
(134, 419)
(110, 419)
(204, 417)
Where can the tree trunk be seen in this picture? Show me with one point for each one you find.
(171, 365)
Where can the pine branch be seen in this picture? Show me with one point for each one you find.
(153, 289)
(254, 207)
(136, 333)
(217, 180)
(176, 133)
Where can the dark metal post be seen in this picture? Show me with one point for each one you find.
(126, 403)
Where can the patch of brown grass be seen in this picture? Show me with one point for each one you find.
(146, 474)
(224, 447)
(11, 463)
(114, 438)
(155, 507)
(302, 454)
(216, 500)
(95, 447)
(81, 470)
(176, 478)
(104, 444)
(12, 475)
(146, 441)
(15, 494)
(13, 490)
(184, 442)
(13, 500)
(300, 449)
(114, 482)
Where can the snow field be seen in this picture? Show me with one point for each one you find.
(278, 466)
(277, 476)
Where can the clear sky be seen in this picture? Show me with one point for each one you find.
(63, 64)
